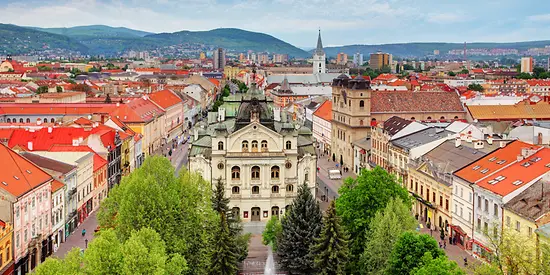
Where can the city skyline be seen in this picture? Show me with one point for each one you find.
(296, 22)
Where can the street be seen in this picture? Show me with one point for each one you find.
(327, 189)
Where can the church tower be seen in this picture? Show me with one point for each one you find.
(319, 58)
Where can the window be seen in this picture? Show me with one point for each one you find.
(220, 165)
(235, 173)
(290, 188)
(235, 190)
(264, 145)
(441, 201)
(275, 172)
(275, 189)
(442, 117)
(529, 231)
(255, 190)
(433, 197)
(518, 226)
(487, 205)
(361, 104)
(429, 117)
(8, 121)
(427, 194)
(20, 120)
(456, 117)
(256, 173)
(220, 145)
(245, 146)
(28, 120)
(288, 145)
(495, 210)
(485, 227)
(17, 240)
(478, 224)
(508, 223)
(52, 120)
(421, 190)
(479, 202)
(254, 146)
(306, 176)
(447, 205)
(416, 187)
(288, 165)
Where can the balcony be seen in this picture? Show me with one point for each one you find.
(72, 192)
(236, 196)
(276, 195)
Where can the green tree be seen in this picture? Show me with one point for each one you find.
(488, 269)
(301, 225)
(439, 266)
(272, 230)
(524, 76)
(217, 105)
(104, 254)
(144, 253)
(360, 199)
(178, 208)
(408, 250)
(384, 229)
(42, 90)
(451, 73)
(475, 87)
(331, 248)
(70, 265)
(408, 67)
(224, 259)
(464, 71)
(59, 89)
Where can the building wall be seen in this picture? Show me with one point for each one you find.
(462, 210)
(174, 120)
(521, 225)
(487, 216)
(322, 132)
(100, 186)
(6, 245)
(85, 179)
(32, 217)
(58, 215)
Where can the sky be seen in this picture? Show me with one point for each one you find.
(298, 21)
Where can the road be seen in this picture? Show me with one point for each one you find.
(327, 189)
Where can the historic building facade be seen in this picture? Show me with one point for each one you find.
(260, 156)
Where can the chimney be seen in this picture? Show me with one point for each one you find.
(75, 142)
(502, 144)
(80, 139)
(38, 121)
(118, 104)
(478, 144)
(29, 145)
(196, 133)
(458, 142)
(519, 158)
(490, 139)
(50, 129)
(539, 138)
(469, 138)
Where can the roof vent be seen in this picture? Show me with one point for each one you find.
(15, 177)
(5, 183)
(28, 171)
(50, 129)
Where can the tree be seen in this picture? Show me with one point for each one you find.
(271, 232)
(217, 105)
(301, 225)
(464, 71)
(524, 76)
(71, 265)
(42, 90)
(476, 87)
(408, 250)
(224, 259)
(408, 67)
(360, 199)
(178, 208)
(331, 248)
(104, 254)
(59, 89)
(384, 229)
(451, 73)
(440, 266)
(144, 253)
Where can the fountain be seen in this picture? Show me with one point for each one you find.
(270, 263)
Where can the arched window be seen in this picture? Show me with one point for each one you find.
(236, 211)
(361, 122)
(264, 145)
(442, 117)
(275, 189)
(255, 190)
(412, 118)
(9, 120)
(275, 172)
(235, 190)
(456, 117)
(235, 173)
(290, 188)
(220, 145)
(256, 173)
(28, 120)
(52, 120)
(20, 120)
(288, 145)
(306, 176)
(45, 120)
(245, 146)
(361, 104)
(429, 117)
(254, 146)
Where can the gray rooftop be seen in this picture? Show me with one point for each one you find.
(420, 138)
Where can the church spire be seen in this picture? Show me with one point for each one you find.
(319, 50)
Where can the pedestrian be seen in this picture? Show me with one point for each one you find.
(440, 245)
(465, 261)
(444, 245)
(83, 232)
(86, 242)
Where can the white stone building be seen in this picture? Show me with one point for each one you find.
(260, 156)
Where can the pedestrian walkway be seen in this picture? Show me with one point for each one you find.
(76, 239)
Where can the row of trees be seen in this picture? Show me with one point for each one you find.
(369, 229)
(155, 222)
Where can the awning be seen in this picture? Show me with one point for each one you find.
(482, 246)
(362, 151)
(458, 229)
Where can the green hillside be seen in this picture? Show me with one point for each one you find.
(19, 40)
(96, 31)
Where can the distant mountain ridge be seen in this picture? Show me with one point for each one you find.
(106, 40)
(427, 48)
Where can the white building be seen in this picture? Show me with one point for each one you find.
(358, 59)
(58, 213)
(259, 155)
(463, 82)
(319, 58)
(322, 126)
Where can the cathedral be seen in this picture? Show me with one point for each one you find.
(257, 152)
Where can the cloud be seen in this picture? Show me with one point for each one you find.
(539, 18)
(444, 18)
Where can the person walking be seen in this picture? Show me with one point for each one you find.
(86, 242)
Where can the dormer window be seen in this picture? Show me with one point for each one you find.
(245, 146)
(254, 146)
(288, 145)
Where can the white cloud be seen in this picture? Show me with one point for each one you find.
(539, 18)
(444, 18)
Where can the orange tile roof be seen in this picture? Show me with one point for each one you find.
(56, 185)
(136, 111)
(155, 70)
(165, 99)
(518, 174)
(324, 111)
(19, 175)
(214, 81)
(492, 162)
(521, 110)
(53, 108)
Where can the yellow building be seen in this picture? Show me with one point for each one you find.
(6, 251)
(202, 56)
(380, 60)
(529, 210)
(231, 72)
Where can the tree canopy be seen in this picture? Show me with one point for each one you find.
(440, 266)
(408, 251)
(475, 87)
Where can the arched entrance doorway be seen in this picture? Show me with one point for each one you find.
(275, 211)
(255, 217)
(236, 212)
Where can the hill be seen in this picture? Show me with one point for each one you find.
(96, 31)
(424, 49)
(19, 40)
(232, 39)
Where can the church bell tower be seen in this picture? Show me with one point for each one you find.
(319, 58)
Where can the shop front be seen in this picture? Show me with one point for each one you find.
(460, 238)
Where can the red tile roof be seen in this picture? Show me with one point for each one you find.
(214, 81)
(140, 110)
(492, 162)
(56, 185)
(513, 177)
(19, 175)
(54, 108)
(165, 99)
(407, 101)
(324, 111)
